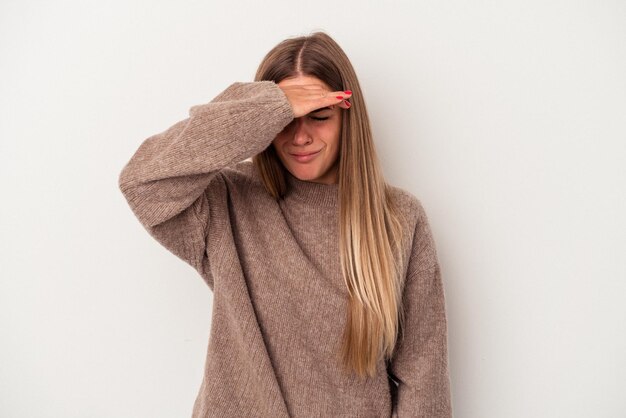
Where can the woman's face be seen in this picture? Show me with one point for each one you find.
(317, 132)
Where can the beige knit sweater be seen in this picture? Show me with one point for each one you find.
(279, 300)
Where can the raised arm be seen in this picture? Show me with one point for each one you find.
(172, 180)
(420, 362)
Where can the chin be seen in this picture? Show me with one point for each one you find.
(303, 176)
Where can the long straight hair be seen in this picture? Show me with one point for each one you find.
(370, 224)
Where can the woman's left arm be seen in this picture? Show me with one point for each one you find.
(420, 362)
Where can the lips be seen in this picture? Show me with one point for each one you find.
(303, 158)
(296, 154)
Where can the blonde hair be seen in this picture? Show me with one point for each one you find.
(370, 225)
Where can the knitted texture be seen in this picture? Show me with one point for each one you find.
(279, 300)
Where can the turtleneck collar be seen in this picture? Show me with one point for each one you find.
(312, 193)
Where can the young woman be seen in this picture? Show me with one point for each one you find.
(327, 293)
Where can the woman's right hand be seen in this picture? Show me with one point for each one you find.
(305, 98)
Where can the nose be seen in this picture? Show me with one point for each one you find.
(300, 135)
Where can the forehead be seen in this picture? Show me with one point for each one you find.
(303, 79)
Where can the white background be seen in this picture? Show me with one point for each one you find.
(506, 119)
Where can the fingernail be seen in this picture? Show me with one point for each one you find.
(340, 97)
(348, 92)
(347, 103)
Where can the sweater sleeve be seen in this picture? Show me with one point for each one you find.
(173, 179)
(420, 361)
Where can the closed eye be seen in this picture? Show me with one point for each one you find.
(318, 118)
